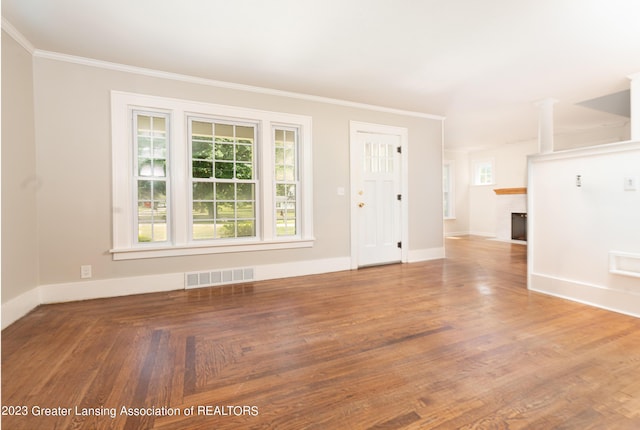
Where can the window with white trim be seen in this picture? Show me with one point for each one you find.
(448, 190)
(483, 172)
(286, 180)
(195, 178)
(150, 143)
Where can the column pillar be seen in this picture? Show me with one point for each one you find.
(545, 125)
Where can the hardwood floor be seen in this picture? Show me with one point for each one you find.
(458, 343)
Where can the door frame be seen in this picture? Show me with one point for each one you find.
(356, 127)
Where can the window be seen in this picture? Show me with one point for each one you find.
(223, 179)
(194, 178)
(448, 190)
(150, 171)
(483, 172)
(286, 180)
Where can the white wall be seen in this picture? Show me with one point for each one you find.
(510, 168)
(591, 137)
(73, 158)
(460, 163)
(20, 183)
(573, 230)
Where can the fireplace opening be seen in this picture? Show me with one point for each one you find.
(519, 226)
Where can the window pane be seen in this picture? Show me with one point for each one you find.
(246, 192)
(290, 156)
(144, 190)
(244, 171)
(202, 169)
(245, 210)
(203, 191)
(159, 168)
(202, 130)
(225, 191)
(202, 210)
(158, 124)
(225, 210)
(144, 147)
(279, 156)
(224, 133)
(246, 228)
(144, 123)
(203, 230)
(202, 150)
(289, 173)
(224, 151)
(160, 191)
(279, 137)
(224, 170)
(244, 153)
(159, 148)
(244, 134)
(225, 229)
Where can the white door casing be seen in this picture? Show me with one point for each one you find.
(378, 194)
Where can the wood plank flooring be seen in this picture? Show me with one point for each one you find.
(458, 343)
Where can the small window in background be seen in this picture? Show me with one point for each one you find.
(483, 173)
(448, 190)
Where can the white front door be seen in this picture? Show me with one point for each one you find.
(377, 197)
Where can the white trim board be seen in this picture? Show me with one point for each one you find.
(418, 255)
(17, 36)
(18, 307)
(623, 302)
(38, 53)
(103, 288)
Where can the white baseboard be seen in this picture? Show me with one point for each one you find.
(301, 268)
(623, 302)
(19, 306)
(482, 233)
(456, 233)
(425, 254)
(102, 288)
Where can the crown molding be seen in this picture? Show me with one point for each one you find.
(39, 53)
(222, 84)
(17, 36)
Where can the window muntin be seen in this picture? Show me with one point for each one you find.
(224, 182)
(286, 180)
(151, 142)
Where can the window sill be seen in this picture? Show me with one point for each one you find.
(197, 249)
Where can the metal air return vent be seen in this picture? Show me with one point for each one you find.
(212, 278)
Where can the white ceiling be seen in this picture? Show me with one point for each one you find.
(482, 64)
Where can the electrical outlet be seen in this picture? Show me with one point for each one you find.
(630, 183)
(85, 272)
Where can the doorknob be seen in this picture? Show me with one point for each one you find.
(360, 205)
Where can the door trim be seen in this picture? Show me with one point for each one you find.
(356, 127)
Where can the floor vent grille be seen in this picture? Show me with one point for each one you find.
(212, 278)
